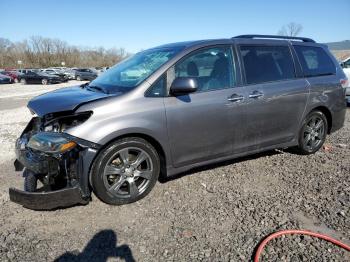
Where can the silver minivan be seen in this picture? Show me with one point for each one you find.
(175, 107)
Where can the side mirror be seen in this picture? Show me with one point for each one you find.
(183, 86)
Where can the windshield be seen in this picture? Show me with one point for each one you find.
(126, 75)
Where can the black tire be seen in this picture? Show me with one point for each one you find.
(110, 157)
(312, 138)
(30, 181)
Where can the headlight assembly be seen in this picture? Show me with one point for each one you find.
(49, 142)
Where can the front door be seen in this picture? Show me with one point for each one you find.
(199, 124)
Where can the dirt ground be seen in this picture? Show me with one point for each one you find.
(216, 213)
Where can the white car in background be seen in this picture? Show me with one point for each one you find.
(69, 73)
(63, 72)
(345, 64)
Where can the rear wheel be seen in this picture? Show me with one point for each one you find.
(313, 133)
(125, 171)
(23, 81)
(44, 81)
(78, 78)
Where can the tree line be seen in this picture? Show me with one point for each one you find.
(43, 52)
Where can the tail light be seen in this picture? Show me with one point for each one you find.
(344, 82)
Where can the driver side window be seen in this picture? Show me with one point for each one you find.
(211, 67)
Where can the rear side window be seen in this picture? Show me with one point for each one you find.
(314, 61)
(267, 63)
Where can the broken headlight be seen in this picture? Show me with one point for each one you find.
(49, 142)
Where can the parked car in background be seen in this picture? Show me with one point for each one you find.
(22, 71)
(39, 77)
(4, 79)
(64, 70)
(26, 70)
(348, 95)
(56, 72)
(85, 74)
(101, 70)
(69, 73)
(345, 64)
(13, 74)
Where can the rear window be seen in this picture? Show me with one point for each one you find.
(267, 63)
(315, 61)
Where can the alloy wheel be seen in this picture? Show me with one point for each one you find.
(128, 173)
(314, 133)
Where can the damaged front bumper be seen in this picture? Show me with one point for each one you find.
(48, 200)
(65, 176)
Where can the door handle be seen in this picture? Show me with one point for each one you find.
(255, 94)
(235, 98)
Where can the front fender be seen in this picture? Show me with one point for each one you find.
(143, 116)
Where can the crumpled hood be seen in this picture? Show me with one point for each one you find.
(66, 99)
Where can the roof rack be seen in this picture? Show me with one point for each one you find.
(304, 39)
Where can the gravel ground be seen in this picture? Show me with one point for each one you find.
(216, 213)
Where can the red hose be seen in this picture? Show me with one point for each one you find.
(299, 232)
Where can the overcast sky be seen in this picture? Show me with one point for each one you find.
(137, 24)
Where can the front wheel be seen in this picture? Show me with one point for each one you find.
(44, 81)
(30, 181)
(313, 133)
(125, 171)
